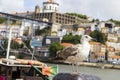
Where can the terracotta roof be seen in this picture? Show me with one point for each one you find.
(66, 44)
(118, 57)
(92, 42)
(101, 54)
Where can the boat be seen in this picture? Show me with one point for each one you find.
(12, 68)
(20, 69)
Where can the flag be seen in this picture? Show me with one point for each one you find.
(49, 71)
(39, 71)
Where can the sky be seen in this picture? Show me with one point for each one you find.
(101, 9)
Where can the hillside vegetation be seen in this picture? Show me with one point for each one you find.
(117, 22)
(78, 15)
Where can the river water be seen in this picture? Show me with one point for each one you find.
(104, 74)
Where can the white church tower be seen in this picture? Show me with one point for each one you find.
(50, 6)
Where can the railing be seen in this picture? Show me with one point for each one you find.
(22, 78)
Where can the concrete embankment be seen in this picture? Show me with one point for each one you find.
(99, 65)
(88, 64)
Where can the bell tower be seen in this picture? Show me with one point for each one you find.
(37, 9)
(50, 6)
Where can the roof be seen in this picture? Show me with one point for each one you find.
(101, 54)
(92, 42)
(118, 57)
(50, 3)
(66, 44)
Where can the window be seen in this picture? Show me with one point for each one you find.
(44, 7)
(117, 59)
(55, 8)
(112, 58)
(50, 8)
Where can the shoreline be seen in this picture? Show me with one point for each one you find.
(89, 64)
(100, 65)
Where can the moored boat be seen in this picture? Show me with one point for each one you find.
(20, 69)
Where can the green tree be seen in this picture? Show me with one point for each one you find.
(99, 36)
(14, 44)
(27, 43)
(117, 22)
(54, 47)
(71, 39)
(78, 15)
(45, 31)
(2, 20)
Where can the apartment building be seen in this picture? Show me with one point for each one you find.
(112, 37)
(60, 18)
(114, 59)
(95, 47)
(4, 31)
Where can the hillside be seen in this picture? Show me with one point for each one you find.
(78, 15)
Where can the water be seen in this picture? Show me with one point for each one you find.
(104, 74)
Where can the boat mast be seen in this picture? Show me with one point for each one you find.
(9, 41)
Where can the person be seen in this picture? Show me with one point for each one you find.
(68, 76)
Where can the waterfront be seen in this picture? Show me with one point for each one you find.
(104, 74)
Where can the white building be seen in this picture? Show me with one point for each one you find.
(114, 59)
(107, 24)
(61, 32)
(54, 29)
(117, 28)
(4, 31)
(50, 6)
(118, 31)
(114, 45)
(103, 24)
(112, 37)
(101, 57)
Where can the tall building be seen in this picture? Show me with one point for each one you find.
(50, 13)
(37, 9)
(60, 18)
